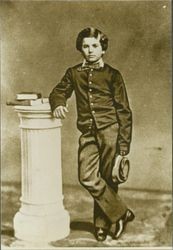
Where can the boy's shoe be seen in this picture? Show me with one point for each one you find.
(122, 222)
(101, 233)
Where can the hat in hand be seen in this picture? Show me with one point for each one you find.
(120, 169)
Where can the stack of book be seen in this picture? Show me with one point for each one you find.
(28, 99)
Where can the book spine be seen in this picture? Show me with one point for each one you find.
(25, 102)
(19, 103)
(26, 96)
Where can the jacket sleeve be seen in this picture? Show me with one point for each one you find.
(124, 114)
(62, 91)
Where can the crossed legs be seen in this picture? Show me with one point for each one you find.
(97, 149)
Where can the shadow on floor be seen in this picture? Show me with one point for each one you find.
(82, 226)
(8, 232)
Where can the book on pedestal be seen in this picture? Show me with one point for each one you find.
(28, 96)
(38, 101)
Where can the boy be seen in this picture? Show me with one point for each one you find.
(105, 121)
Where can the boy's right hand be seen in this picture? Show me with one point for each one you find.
(60, 111)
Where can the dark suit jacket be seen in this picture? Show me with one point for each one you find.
(100, 97)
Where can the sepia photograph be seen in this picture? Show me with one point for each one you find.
(86, 124)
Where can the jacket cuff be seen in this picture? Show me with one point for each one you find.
(54, 104)
(124, 147)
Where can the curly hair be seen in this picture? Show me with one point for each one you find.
(91, 32)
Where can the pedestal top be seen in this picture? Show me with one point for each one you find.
(37, 117)
(43, 108)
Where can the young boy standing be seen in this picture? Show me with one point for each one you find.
(105, 121)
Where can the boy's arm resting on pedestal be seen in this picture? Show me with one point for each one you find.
(59, 95)
(124, 114)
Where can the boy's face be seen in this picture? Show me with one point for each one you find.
(92, 49)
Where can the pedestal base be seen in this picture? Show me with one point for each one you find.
(42, 228)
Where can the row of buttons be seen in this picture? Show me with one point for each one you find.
(90, 90)
(90, 127)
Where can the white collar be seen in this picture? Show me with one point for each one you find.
(100, 62)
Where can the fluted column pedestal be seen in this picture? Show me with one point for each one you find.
(42, 216)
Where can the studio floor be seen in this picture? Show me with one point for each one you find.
(152, 226)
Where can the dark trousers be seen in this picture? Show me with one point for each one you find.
(96, 156)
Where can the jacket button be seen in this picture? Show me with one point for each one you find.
(90, 82)
(92, 103)
(93, 112)
(90, 90)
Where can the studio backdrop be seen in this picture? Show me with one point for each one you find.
(38, 45)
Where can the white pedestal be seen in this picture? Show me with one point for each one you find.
(42, 216)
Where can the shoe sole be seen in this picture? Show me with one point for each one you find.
(124, 224)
